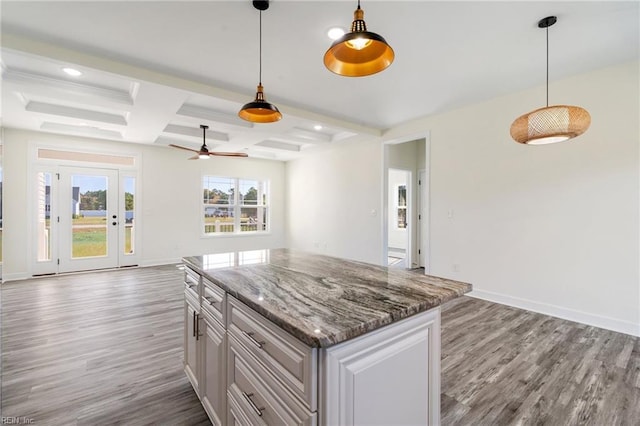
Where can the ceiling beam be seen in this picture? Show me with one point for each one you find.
(52, 51)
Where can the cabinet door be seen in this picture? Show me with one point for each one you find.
(213, 385)
(388, 377)
(190, 344)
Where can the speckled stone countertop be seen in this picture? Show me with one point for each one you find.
(324, 300)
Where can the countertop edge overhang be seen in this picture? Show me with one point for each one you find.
(324, 300)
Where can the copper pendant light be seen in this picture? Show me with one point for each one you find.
(359, 52)
(260, 111)
(551, 124)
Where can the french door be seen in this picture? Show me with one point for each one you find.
(85, 220)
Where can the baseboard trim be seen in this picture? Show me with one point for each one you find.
(160, 262)
(620, 326)
(16, 276)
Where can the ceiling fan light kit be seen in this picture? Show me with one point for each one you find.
(550, 124)
(260, 111)
(359, 52)
(204, 153)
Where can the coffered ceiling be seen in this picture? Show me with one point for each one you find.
(154, 70)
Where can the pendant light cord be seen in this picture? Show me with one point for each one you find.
(260, 75)
(547, 67)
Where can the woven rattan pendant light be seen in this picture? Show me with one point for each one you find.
(550, 124)
(260, 111)
(359, 52)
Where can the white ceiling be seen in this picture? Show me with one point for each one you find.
(155, 70)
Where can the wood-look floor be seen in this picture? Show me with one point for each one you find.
(97, 349)
(507, 366)
(106, 348)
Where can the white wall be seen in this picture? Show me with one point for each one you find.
(334, 201)
(171, 195)
(550, 228)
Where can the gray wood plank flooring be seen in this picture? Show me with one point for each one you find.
(105, 348)
(97, 349)
(507, 366)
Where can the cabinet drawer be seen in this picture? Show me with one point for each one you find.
(261, 399)
(213, 298)
(288, 359)
(191, 282)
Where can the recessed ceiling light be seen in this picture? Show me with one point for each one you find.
(72, 72)
(317, 127)
(335, 33)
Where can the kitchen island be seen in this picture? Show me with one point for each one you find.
(286, 337)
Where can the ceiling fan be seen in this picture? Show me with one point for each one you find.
(204, 152)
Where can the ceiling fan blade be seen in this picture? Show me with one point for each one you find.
(182, 147)
(195, 157)
(228, 154)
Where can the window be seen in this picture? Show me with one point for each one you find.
(234, 206)
(402, 206)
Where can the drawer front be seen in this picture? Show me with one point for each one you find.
(191, 282)
(291, 361)
(213, 298)
(192, 299)
(261, 398)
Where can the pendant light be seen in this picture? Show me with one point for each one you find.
(551, 124)
(260, 111)
(359, 52)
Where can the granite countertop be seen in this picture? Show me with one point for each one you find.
(324, 300)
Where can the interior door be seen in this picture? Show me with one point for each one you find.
(88, 219)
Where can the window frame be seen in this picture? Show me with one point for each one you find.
(401, 207)
(263, 208)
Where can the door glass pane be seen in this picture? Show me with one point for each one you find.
(88, 216)
(44, 216)
(129, 222)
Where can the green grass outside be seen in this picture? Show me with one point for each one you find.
(127, 238)
(212, 220)
(89, 220)
(89, 242)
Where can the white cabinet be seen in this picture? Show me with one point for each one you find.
(390, 376)
(191, 314)
(205, 344)
(283, 356)
(257, 395)
(248, 371)
(213, 389)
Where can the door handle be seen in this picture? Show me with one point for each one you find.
(198, 335)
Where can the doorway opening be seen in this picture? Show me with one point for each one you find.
(399, 228)
(406, 201)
